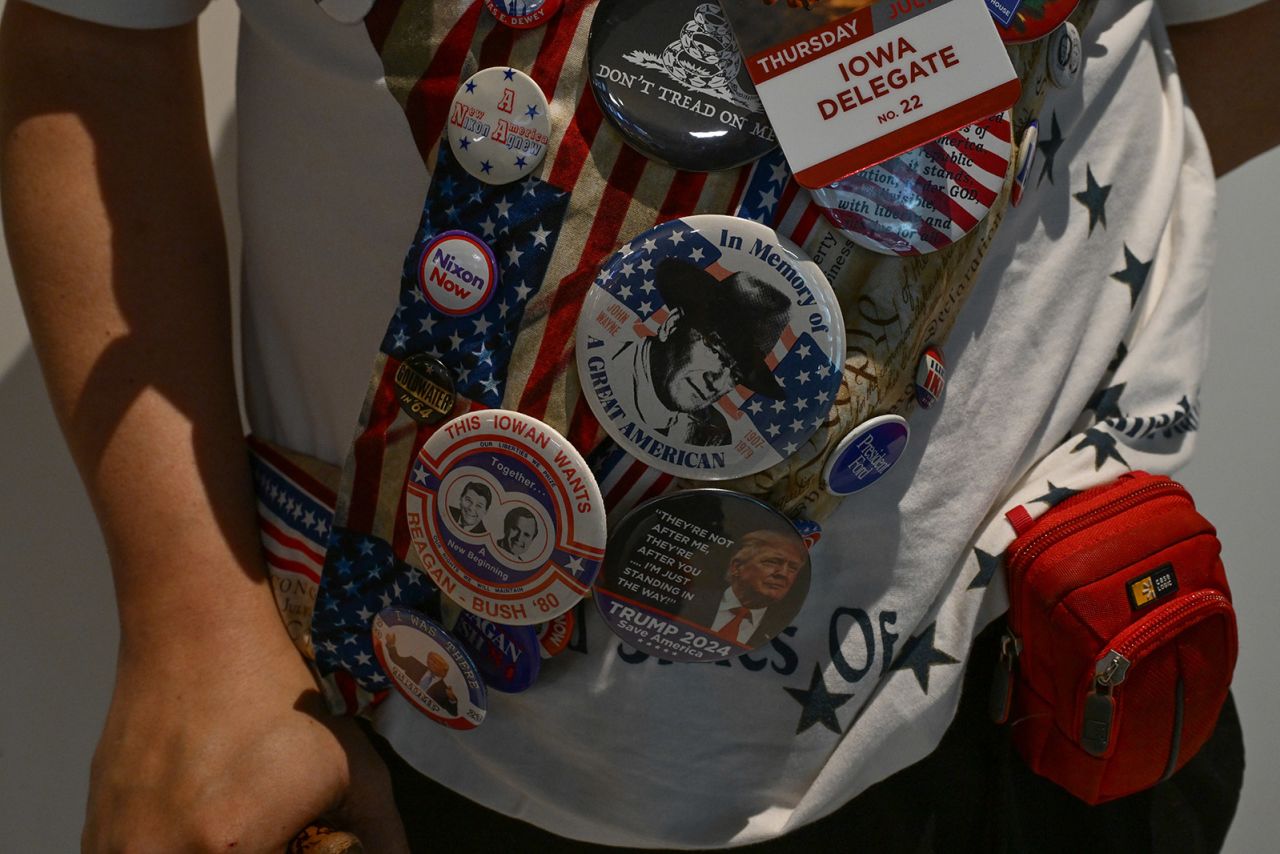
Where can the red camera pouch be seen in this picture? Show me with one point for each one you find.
(1121, 639)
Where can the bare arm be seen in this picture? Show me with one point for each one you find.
(216, 732)
(1230, 69)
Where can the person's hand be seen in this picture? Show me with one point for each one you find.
(232, 750)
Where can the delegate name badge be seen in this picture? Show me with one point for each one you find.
(429, 668)
(702, 575)
(710, 347)
(506, 517)
(850, 83)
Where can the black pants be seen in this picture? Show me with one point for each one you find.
(971, 794)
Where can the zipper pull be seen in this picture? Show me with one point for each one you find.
(1002, 685)
(1100, 705)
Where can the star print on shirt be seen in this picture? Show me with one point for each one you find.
(1055, 496)
(1104, 448)
(1134, 275)
(1048, 148)
(819, 704)
(987, 566)
(1105, 402)
(919, 655)
(1094, 197)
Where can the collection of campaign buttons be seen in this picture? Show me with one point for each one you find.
(709, 347)
(702, 575)
(499, 125)
(926, 199)
(669, 75)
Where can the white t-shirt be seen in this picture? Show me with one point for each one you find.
(1106, 257)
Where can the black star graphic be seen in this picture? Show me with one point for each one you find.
(1104, 447)
(1095, 199)
(1121, 352)
(1055, 496)
(1106, 402)
(1049, 149)
(919, 654)
(987, 566)
(819, 704)
(1134, 275)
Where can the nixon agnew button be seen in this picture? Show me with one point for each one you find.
(508, 657)
(867, 454)
(458, 273)
(1064, 56)
(523, 14)
(931, 377)
(499, 125)
(710, 347)
(429, 668)
(702, 575)
(425, 389)
(926, 199)
(506, 517)
(669, 75)
(1033, 19)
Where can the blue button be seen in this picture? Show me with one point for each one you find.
(509, 657)
(867, 454)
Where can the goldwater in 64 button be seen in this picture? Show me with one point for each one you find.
(709, 347)
(669, 75)
(702, 575)
(506, 518)
(429, 668)
(499, 126)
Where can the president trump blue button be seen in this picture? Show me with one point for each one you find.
(710, 347)
(702, 575)
(867, 454)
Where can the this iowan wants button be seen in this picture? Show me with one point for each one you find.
(506, 517)
(429, 668)
(669, 75)
(710, 348)
(702, 575)
(928, 198)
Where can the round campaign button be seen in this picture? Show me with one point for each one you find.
(509, 657)
(1035, 19)
(425, 389)
(1064, 55)
(458, 273)
(506, 517)
(710, 347)
(554, 636)
(669, 75)
(866, 454)
(931, 377)
(346, 11)
(429, 668)
(499, 125)
(1026, 159)
(523, 14)
(925, 199)
(702, 575)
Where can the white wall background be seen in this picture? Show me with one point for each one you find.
(57, 617)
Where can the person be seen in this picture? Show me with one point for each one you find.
(521, 527)
(472, 505)
(109, 194)
(714, 338)
(763, 568)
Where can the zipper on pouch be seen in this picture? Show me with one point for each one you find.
(1112, 668)
(1046, 539)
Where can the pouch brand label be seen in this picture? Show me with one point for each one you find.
(1153, 586)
